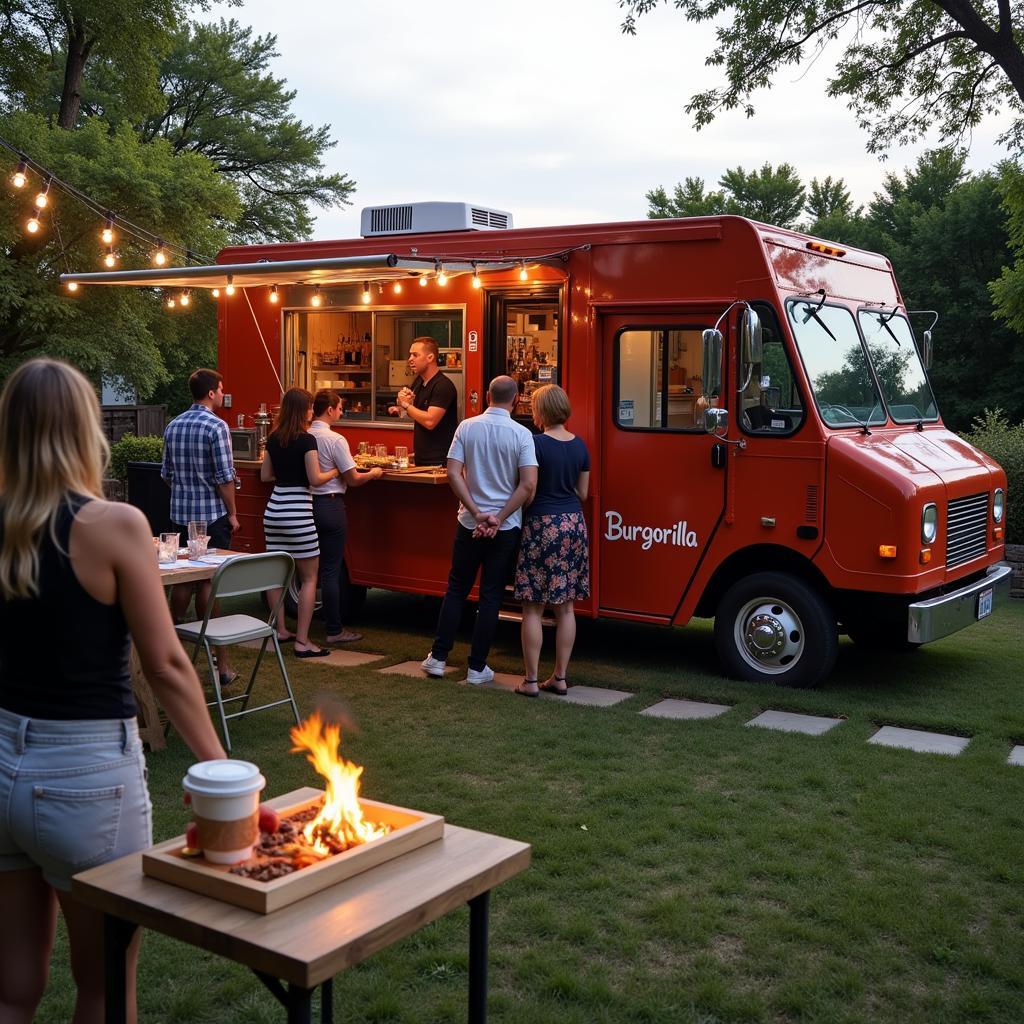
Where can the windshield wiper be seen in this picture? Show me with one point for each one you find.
(888, 330)
(813, 314)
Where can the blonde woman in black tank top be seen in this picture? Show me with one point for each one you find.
(81, 570)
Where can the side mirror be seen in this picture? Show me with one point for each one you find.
(750, 337)
(927, 350)
(711, 374)
(716, 421)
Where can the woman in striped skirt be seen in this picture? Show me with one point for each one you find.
(291, 463)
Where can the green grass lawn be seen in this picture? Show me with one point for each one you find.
(682, 871)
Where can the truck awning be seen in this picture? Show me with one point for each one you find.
(333, 270)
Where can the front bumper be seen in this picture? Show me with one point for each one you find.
(940, 616)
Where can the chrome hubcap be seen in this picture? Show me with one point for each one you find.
(769, 635)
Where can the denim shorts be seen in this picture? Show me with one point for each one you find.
(72, 794)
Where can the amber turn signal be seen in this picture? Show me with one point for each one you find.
(926, 555)
(997, 532)
(886, 550)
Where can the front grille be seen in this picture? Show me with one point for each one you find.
(966, 529)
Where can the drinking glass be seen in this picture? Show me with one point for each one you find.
(381, 451)
(169, 548)
(197, 547)
(402, 455)
(196, 528)
(364, 448)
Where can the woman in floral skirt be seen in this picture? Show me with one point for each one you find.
(554, 565)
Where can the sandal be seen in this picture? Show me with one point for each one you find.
(552, 687)
(346, 636)
(527, 693)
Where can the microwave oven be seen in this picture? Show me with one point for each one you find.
(243, 443)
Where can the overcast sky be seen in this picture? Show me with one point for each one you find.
(542, 107)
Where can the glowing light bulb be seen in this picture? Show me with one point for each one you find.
(72, 286)
(423, 280)
(42, 199)
(170, 302)
(33, 223)
(442, 277)
(366, 292)
(315, 301)
(398, 288)
(523, 276)
(107, 234)
(110, 259)
(160, 257)
(230, 289)
(274, 297)
(18, 178)
(476, 277)
(185, 298)
(215, 293)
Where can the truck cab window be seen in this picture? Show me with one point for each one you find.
(658, 381)
(771, 402)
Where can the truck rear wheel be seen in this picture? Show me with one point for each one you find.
(774, 628)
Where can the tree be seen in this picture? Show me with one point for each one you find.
(906, 67)
(832, 212)
(773, 195)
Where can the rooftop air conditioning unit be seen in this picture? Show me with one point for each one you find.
(424, 218)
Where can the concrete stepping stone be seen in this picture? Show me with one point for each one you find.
(337, 659)
(1016, 756)
(685, 709)
(413, 669)
(917, 739)
(501, 681)
(788, 721)
(595, 696)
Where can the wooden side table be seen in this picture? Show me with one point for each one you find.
(300, 947)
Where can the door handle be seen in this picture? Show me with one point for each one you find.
(718, 455)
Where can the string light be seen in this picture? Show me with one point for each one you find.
(160, 257)
(442, 277)
(32, 226)
(185, 298)
(523, 276)
(273, 294)
(42, 199)
(18, 178)
(398, 288)
(230, 289)
(110, 259)
(72, 286)
(315, 301)
(476, 277)
(215, 293)
(107, 234)
(423, 280)
(366, 292)
(170, 302)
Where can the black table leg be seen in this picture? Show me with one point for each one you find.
(478, 925)
(117, 936)
(327, 1002)
(296, 1000)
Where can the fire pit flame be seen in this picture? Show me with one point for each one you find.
(341, 816)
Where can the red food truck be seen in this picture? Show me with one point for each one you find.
(766, 448)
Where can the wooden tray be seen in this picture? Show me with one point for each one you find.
(412, 829)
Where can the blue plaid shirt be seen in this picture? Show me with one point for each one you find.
(197, 457)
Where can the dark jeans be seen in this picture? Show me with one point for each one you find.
(497, 557)
(331, 530)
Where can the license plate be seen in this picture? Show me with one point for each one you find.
(984, 603)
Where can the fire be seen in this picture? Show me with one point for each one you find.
(341, 815)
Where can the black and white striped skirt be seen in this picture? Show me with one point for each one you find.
(288, 522)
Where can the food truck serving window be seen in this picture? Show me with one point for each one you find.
(363, 354)
(657, 378)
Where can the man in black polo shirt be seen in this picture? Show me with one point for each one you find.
(432, 403)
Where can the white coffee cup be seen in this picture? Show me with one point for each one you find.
(225, 807)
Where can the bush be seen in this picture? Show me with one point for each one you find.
(994, 435)
(134, 449)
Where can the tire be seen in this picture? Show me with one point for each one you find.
(353, 597)
(774, 628)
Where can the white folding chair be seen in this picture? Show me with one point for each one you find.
(250, 574)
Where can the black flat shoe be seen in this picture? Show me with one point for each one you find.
(313, 654)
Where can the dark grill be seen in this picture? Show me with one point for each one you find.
(966, 529)
(391, 218)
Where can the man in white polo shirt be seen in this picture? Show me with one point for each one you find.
(329, 508)
(492, 468)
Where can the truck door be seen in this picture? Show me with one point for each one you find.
(660, 496)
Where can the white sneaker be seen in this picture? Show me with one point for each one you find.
(433, 667)
(475, 678)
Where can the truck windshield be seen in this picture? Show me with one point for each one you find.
(898, 366)
(836, 364)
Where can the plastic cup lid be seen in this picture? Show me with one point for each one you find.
(223, 778)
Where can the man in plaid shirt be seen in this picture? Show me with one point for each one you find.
(200, 471)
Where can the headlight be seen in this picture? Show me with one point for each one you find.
(929, 523)
(998, 502)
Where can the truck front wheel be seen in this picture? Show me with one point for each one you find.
(774, 628)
